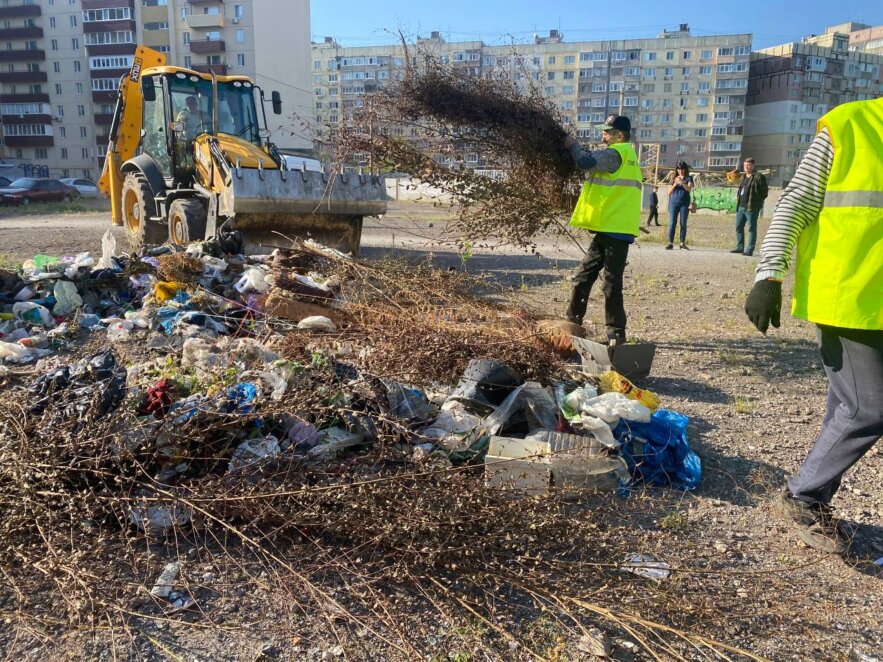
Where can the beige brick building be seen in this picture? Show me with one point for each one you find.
(791, 86)
(61, 61)
(684, 93)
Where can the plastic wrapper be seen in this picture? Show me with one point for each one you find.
(317, 323)
(538, 406)
(108, 248)
(67, 299)
(31, 312)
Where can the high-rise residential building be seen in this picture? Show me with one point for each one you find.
(861, 36)
(791, 86)
(63, 59)
(683, 93)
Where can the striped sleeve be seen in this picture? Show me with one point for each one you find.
(799, 206)
(602, 160)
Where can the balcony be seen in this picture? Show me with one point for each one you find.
(103, 119)
(29, 141)
(20, 11)
(24, 97)
(104, 97)
(201, 21)
(30, 32)
(109, 26)
(107, 4)
(22, 55)
(216, 69)
(110, 49)
(205, 2)
(25, 119)
(102, 140)
(23, 77)
(207, 47)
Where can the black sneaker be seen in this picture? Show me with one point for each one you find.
(684, 246)
(737, 250)
(669, 247)
(815, 523)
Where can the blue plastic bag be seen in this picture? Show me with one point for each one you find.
(668, 460)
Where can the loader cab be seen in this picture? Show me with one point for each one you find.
(179, 107)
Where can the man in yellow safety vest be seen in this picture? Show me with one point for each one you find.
(609, 206)
(833, 211)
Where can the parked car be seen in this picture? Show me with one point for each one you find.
(25, 190)
(86, 187)
(5, 182)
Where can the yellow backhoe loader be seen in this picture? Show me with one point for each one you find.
(190, 158)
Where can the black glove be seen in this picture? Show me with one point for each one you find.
(764, 304)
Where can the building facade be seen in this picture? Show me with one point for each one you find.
(683, 93)
(791, 86)
(61, 62)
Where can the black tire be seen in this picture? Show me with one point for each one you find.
(138, 206)
(24, 202)
(187, 218)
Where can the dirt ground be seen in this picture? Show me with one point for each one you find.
(755, 405)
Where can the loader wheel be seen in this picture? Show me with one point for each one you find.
(138, 207)
(186, 221)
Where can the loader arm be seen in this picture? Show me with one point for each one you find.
(125, 128)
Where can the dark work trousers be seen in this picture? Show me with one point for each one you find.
(608, 254)
(654, 215)
(678, 211)
(853, 420)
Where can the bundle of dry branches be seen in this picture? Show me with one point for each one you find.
(447, 112)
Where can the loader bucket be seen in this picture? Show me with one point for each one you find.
(270, 205)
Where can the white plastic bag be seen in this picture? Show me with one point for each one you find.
(67, 299)
(610, 407)
(254, 279)
(108, 247)
(33, 313)
(317, 323)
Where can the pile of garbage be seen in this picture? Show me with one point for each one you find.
(180, 389)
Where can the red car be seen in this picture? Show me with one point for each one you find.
(25, 190)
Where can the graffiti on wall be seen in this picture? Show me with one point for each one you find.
(716, 198)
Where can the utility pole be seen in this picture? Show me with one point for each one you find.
(621, 97)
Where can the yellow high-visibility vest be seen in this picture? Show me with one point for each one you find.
(611, 202)
(839, 272)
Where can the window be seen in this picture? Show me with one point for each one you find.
(75, 43)
(73, 20)
(687, 55)
(569, 59)
(599, 87)
(551, 60)
(240, 59)
(188, 63)
(100, 38)
(81, 110)
(58, 88)
(79, 88)
(550, 75)
(51, 21)
(41, 153)
(649, 73)
(701, 117)
(649, 57)
(630, 101)
(669, 55)
(84, 152)
(186, 38)
(646, 133)
(56, 67)
(213, 35)
(64, 152)
(704, 87)
(682, 118)
(705, 55)
(27, 130)
(240, 36)
(53, 44)
(705, 71)
(723, 52)
(62, 131)
(83, 132)
(685, 87)
(632, 71)
(567, 89)
(568, 75)
(104, 84)
(700, 133)
(112, 62)
(78, 66)
(114, 14)
(160, 25)
(237, 11)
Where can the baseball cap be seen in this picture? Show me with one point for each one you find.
(618, 122)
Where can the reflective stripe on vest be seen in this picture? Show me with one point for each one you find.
(611, 202)
(839, 270)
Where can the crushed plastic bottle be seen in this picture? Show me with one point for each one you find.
(613, 381)
(163, 585)
(120, 331)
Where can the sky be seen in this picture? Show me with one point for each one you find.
(363, 23)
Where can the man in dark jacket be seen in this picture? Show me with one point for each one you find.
(654, 207)
(753, 191)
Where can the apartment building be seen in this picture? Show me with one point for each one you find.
(61, 62)
(791, 86)
(683, 93)
(861, 36)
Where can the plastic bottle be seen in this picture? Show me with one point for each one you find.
(613, 381)
(119, 331)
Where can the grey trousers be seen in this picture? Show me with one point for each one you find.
(853, 420)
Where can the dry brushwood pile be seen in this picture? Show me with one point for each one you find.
(517, 129)
(262, 470)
